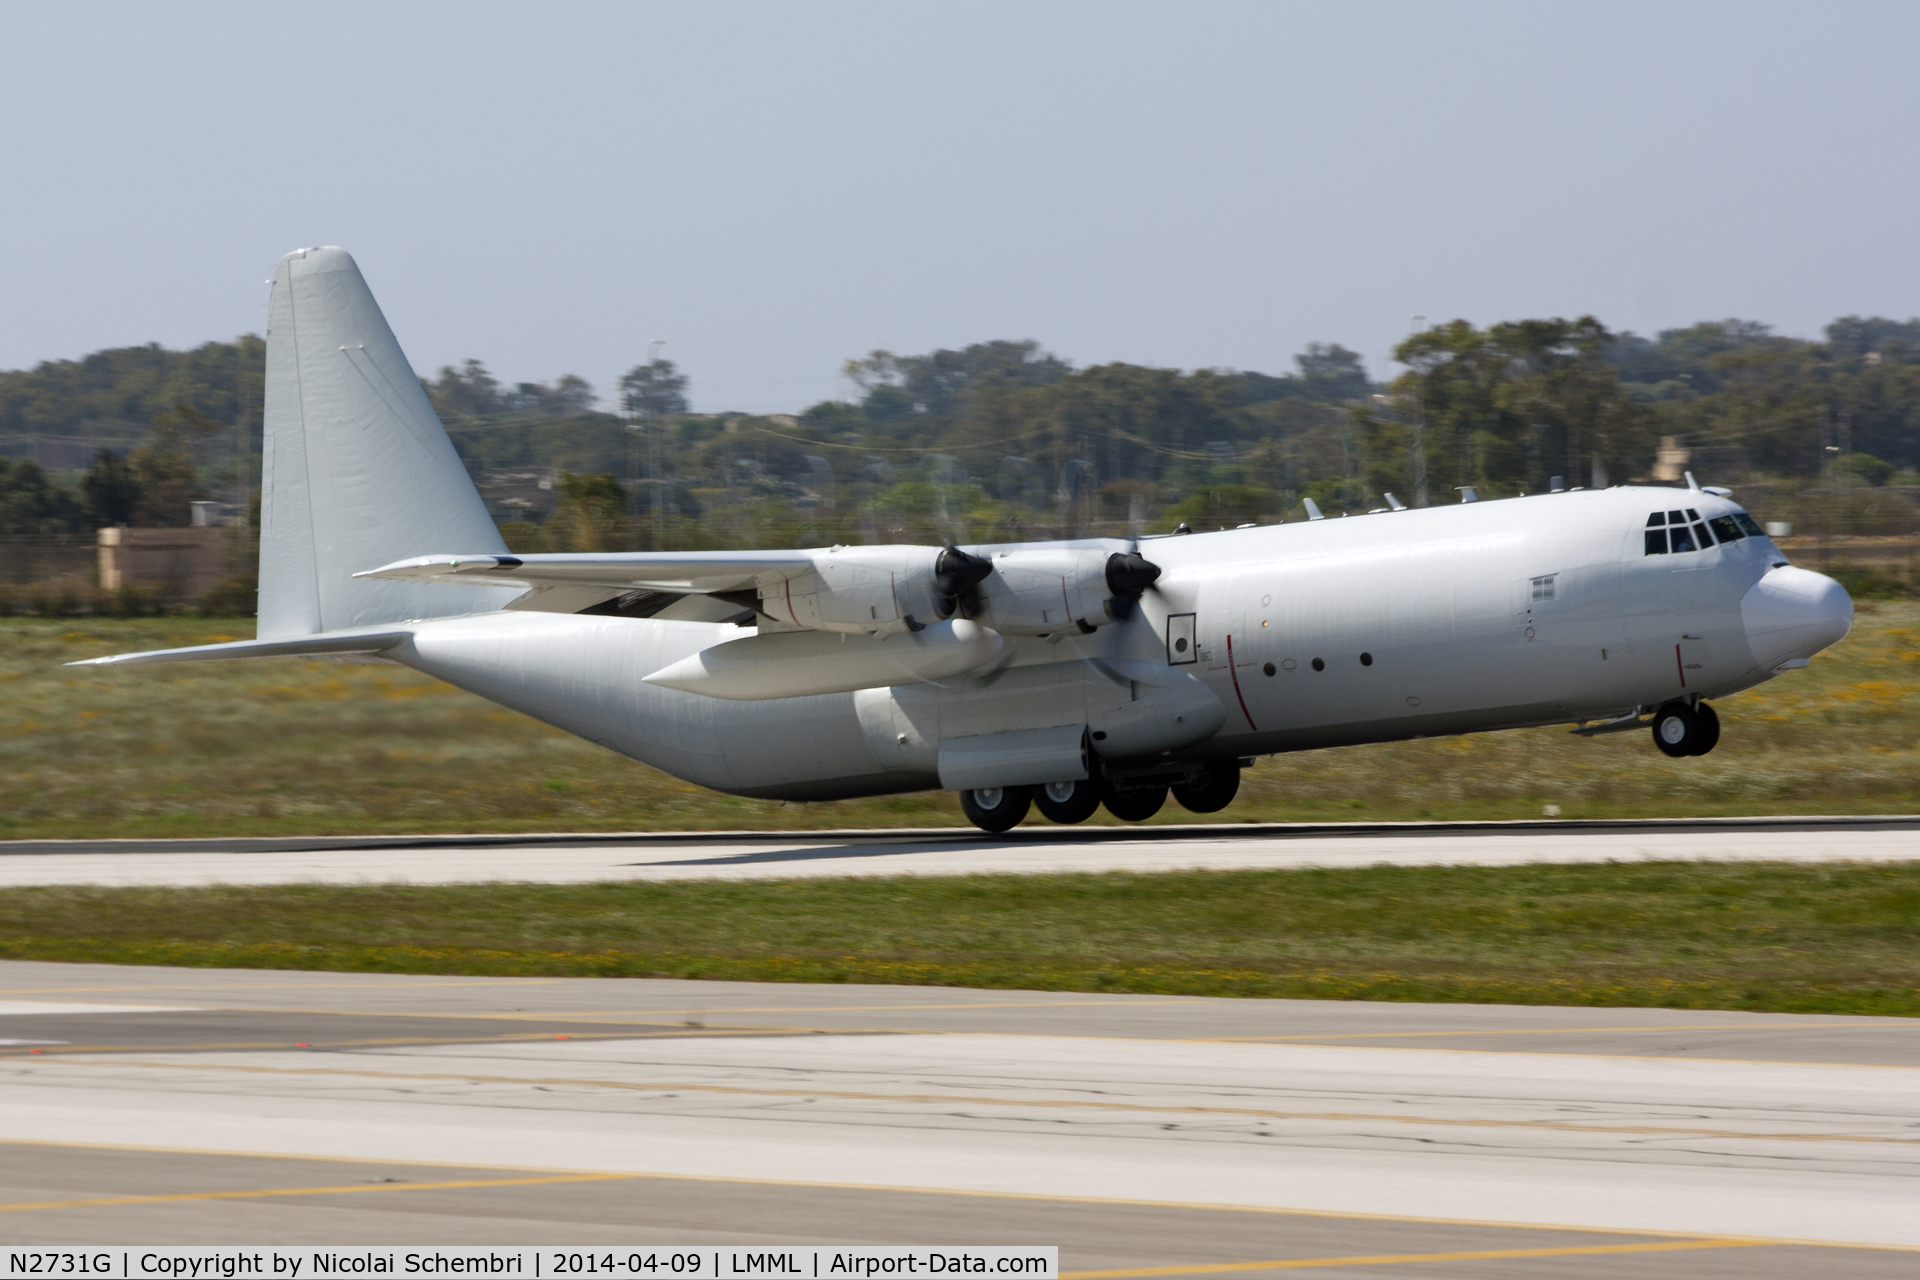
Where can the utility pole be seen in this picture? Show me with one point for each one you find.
(640, 421)
(242, 455)
(1420, 494)
(653, 433)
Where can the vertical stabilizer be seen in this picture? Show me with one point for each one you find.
(356, 471)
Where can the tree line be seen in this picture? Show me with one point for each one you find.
(1006, 440)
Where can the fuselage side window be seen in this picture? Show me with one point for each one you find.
(1726, 528)
(1682, 538)
(1657, 520)
(1656, 542)
(1676, 517)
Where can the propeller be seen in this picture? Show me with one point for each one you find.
(956, 577)
(1129, 576)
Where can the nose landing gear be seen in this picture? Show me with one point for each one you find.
(1682, 730)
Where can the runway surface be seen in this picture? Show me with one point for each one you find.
(1143, 1135)
(563, 858)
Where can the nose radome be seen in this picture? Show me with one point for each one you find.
(1792, 614)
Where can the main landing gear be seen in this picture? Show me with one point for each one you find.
(1682, 730)
(996, 809)
(1067, 802)
(1206, 788)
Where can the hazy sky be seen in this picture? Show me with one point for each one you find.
(775, 187)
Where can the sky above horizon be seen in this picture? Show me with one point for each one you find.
(773, 188)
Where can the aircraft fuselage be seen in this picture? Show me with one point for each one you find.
(1414, 623)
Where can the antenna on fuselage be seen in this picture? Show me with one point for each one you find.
(1692, 484)
(1313, 509)
(1466, 493)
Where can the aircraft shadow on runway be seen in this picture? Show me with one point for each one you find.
(819, 853)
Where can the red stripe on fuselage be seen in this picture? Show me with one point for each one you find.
(1235, 677)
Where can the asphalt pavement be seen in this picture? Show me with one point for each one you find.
(1143, 1135)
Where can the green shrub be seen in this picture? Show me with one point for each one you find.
(233, 598)
(1864, 582)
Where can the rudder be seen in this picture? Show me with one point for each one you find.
(356, 470)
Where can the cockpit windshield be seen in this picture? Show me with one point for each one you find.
(1674, 532)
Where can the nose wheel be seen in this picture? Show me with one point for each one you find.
(1681, 730)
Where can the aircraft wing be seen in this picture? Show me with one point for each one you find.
(679, 572)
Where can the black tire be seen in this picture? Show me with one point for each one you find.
(1002, 809)
(1135, 805)
(1211, 791)
(1676, 729)
(1709, 728)
(1076, 805)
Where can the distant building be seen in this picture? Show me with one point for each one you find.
(178, 564)
(1670, 463)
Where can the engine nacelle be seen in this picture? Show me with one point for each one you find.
(886, 590)
(860, 590)
(1045, 591)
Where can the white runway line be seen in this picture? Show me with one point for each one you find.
(871, 854)
(1739, 1148)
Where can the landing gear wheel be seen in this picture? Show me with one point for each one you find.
(996, 808)
(1212, 791)
(1135, 805)
(1709, 728)
(1677, 730)
(1067, 802)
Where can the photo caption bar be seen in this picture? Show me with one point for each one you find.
(534, 1262)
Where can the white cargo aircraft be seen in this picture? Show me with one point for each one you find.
(1065, 675)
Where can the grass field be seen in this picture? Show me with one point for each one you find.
(1780, 937)
(276, 746)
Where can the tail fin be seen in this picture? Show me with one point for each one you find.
(357, 470)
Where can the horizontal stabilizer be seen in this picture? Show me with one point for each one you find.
(687, 572)
(361, 640)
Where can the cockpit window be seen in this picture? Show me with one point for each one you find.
(1726, 528)
(1677, 531)
(1747, 522)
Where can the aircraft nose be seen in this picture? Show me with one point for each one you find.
(1792, 614)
